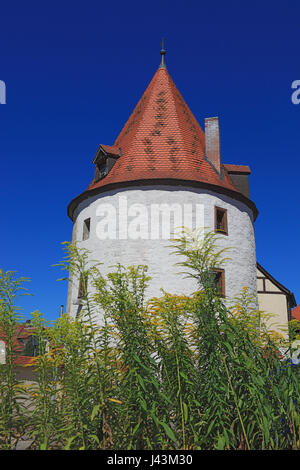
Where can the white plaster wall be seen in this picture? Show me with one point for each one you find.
(240, 270)
(275, 305)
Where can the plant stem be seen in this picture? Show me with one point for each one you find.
(236, 403)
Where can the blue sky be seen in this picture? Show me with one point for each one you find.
(74, 71)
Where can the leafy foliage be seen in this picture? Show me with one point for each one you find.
(177, 372)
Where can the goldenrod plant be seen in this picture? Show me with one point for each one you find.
(245, 312)
(186, 372)
(12, 412)
(294, 329)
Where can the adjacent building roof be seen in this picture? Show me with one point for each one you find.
(296, 312)
(289, 295)
(237, 169)
(23, 331)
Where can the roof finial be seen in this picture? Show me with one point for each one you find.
(162, 53)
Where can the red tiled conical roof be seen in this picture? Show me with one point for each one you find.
(160, 141)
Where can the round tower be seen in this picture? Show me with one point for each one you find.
(162, 172)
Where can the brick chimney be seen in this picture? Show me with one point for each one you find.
(212, 142)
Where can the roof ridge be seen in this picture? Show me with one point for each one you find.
(136, 110)
(177, 113)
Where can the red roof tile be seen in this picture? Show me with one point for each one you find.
(161, 140)
(110, 149)
(296, 312)
(23, 331)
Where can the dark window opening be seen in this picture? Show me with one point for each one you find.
(86, 229)
(101, 170)
(82, 291)
(221, 220)
(97, 176)
(219, 281)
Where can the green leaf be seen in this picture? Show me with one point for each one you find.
(136, 427)
(221, 443)
(266, 426)
(141, 382)
(168, 400)
(229, 348)
(44, 445)
(93, 436)
(169, 431)
(185, 412)
(210, 427)
(95, 411)
(185, 377)
(69, 442)
(143, 404)
(155, 419)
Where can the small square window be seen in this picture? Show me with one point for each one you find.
(86, 229)
(221, 220)
(219, 281)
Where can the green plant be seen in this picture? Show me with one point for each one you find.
(12, 413)
(176, 372)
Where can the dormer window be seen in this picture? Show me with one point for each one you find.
(104, 160)
(100, 171)
(103, 170)
(221, 220)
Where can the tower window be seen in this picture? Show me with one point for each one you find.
(219, 281)
(86, 229)
(221, 220)
(82, 286)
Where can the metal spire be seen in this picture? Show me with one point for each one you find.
(162, 53)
